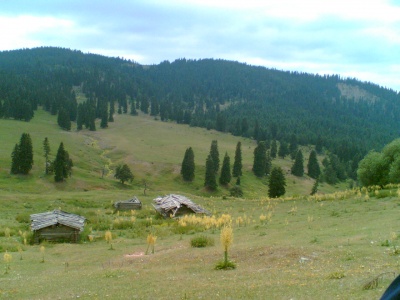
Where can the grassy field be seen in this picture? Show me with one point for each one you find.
(299, 247)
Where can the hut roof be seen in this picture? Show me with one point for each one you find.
(133, 201)
(170, 205)
(42, 220)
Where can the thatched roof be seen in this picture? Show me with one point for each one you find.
(46, 219)
(169, 205)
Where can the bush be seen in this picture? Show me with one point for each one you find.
(201, 241)
(237, 191)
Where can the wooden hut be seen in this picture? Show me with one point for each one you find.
(130, 204)
(57, 226)
(176, 205)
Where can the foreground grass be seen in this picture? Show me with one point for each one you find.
(305, 249)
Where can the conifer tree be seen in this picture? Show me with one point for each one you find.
(104, 119)
(274, 149)
(293, 146)
(237, 165)
(210, 181)
(62, 164)
(277, 183)
(313, 166)
(215, 155)
(298, 165)
(80, 119)
(188, 166)
(283, 149)
(25, 159)
(268, 163)
(112, 111)
(63, 119)
(314, 189)
(260, 157)
(318, 145)
(46, 149)
(226, 176)
(15, 160)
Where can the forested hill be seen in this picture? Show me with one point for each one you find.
(346, 116)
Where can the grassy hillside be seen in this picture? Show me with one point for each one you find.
(323, 247)
(154, 150)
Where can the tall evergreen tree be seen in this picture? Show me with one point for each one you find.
(268, 163)
(104, 119)
(215, 155)
(293, 146)
(260, 157)
(63, 119)
(298, 165)
(25, 154)
(188, 166)
(283, 149)
(277, 183)
(62, 164)
(274, 149)
(313, 166)
(210, 180)
(46, 149)
(226, 176)
(15, 160)
(237, 164)
(112, 111)
(318, 145)
(81, 117)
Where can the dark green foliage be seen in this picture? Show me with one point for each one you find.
(188, 166)
(201, 241)
(238, 181)
(277, 183)
(214, 152)
(298, 166)
(330, 175)
(62, 164)
(313, 166)
(123, 173)
(268, 163)
(15, 160)
(318, 145)
(274, 149)
(46, 150)
(23, 155)
(260, 158)
(237, 164)
(314, 189)
(283, 149)
(236, 191)
(63, 119)
(210, 181)
(293, 146)
(104, 119)
(226, 176)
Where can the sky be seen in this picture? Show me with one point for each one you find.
(353, 38)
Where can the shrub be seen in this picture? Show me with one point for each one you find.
(201, 241)
(236, 191)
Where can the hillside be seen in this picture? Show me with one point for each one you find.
(346, 116)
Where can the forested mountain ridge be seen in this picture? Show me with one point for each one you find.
(346, 116)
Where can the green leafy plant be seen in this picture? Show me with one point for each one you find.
(201, 241)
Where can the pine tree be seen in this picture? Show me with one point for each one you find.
(313, 166)
(283, 149)
(112, 111)
(314, 189)
(215, 155)
(277, 183)
(25, 159)
(298, 166)
(62, 164)
(293, 146)
(63, 119)
(104, 119)
(274, 149)
(210, 181)
(260, 157)
(81, 118)
(188, 166)
(268, 163)
(46, 149)
(318, 145)
(237, 165)
(15, 160)
(226, 176)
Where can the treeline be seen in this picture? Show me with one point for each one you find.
(263, 104)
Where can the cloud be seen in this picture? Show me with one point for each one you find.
(341, 37)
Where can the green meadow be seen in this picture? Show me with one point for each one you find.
(339, 244)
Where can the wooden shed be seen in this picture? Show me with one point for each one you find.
(176, 205)
(57, 226)
(130, 204)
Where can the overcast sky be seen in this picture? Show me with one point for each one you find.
(351, 38)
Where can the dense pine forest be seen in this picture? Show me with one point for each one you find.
(342, 116)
